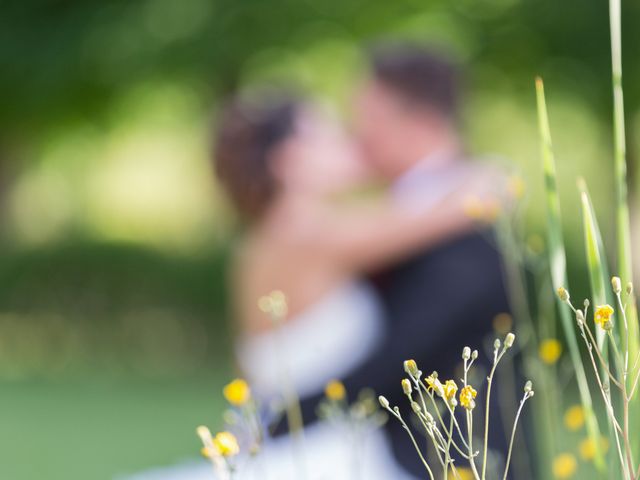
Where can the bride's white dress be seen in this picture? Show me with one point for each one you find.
(326, 341)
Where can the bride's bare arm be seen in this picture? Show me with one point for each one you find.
(365, 238)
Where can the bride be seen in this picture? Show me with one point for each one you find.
(295, 178)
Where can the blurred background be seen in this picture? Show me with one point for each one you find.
(114, 338)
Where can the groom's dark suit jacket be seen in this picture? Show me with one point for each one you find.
(435, 303)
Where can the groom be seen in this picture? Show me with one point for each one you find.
(445, 298)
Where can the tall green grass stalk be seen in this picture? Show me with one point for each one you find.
(558, 264)
(623, 228)
(595, 256)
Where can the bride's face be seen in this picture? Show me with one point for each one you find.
(319, 157)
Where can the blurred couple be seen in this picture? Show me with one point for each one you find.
(370, 280)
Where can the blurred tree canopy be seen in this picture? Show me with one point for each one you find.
(125, 86)
(64, 60)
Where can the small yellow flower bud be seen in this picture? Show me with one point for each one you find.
(563, 294)
(574, 417)
(406, 386)
(564, 466)
(508, 341)
(550, 350)
(237, 392)
(226, 444)
(335, 391)
(616, 284)
(411, 367)
(383, 401)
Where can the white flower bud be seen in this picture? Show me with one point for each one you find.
(508, 341)
(496, 344)
(406, 386)
(383, 401)
(466, 353)
(474, 354)
(528, 386)
(616, 284)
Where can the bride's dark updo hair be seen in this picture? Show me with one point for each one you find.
(248, 132)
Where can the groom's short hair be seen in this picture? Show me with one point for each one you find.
(419, 75)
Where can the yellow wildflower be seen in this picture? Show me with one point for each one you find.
(434, 384)
(450, 389)
(564, 465)
(237, 392)
(467, 395)
(226, 444)
(574, 417)
(603, 315)
(335, 391)
(587, 447)
(463, 472)
(550, 350)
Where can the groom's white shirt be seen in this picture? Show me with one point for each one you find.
(428, 181)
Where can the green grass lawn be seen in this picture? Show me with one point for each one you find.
(99, 428)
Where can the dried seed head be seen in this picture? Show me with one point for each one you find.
(616, 284)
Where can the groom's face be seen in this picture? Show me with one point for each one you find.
(386, 128)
